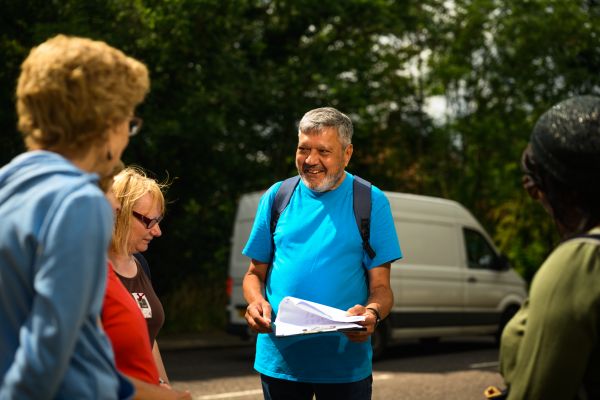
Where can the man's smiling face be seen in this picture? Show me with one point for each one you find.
(321, 159)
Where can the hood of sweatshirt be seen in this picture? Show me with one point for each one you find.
(33, 166)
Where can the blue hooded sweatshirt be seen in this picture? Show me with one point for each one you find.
(55, 226)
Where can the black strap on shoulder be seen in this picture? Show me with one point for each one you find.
(362, 212)
(280, 202)
(142, 260)
(282, 199)
(585, 236)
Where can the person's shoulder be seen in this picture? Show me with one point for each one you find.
(353, 177)
(575, 263)
(574, 260)
(378, 196)
(377, 193)
(69, 198)
(53, 174)
(582, 248)
(590, 241)
(81, 191)
(62, 190)
(45, 172)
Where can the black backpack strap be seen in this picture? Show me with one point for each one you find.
(362, 212)
(282, 199)
(280, 202)
(142, 260)
(591, 236)
(585, 236)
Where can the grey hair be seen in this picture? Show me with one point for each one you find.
(315, 120)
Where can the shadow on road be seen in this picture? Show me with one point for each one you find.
(211, 363)
(456, 354)
(445, 356)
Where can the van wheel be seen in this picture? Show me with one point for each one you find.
(379, 340)
(504, 318)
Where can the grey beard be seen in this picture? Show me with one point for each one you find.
(327, 184)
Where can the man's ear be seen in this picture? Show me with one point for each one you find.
(347, 154)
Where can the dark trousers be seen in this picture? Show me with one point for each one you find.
(280, 389)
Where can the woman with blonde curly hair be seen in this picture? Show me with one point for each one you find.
(141, 206)
(75, 102)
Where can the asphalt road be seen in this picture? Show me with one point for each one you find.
(453, 369)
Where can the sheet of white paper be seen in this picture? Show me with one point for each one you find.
(298, 316)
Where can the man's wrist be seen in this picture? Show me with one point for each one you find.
(375, 312)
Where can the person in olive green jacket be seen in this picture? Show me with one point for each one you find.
(550, 349)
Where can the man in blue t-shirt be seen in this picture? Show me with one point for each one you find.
(317, 254)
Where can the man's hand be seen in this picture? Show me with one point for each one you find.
(258, 312)
(379, 303)
(258, 316)
(369, 322)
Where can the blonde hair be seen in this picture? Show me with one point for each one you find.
(71, 90)
(129, 186)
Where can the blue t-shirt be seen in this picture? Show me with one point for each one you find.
(319, 257)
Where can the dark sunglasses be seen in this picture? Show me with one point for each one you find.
(147, 222)
(135, 124)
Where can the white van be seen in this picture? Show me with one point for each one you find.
(451, 281)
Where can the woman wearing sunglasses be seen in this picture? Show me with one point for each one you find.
(75, 101)
(127, 329)
(551, 347)
(141, 207)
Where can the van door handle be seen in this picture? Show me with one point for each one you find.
(472, 279)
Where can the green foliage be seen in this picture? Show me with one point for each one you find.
(503, 64)
(231, 79)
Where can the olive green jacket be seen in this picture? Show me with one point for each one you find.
(550, 349)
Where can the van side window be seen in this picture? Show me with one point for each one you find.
(429, 243)
(479, 253)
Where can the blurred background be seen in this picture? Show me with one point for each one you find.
(443, 96)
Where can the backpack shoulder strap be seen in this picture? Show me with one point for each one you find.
(595, 236)
(282, 199)
(362, 211)
(142, 260)
(280, 202)
(591, 236)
